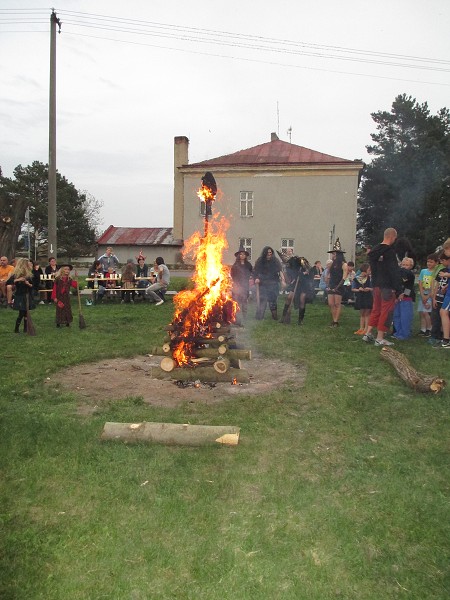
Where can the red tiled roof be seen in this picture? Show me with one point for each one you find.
(138, 236)
(275, 152)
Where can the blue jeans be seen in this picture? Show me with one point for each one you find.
(403, 318)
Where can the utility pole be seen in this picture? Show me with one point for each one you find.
(52, 239)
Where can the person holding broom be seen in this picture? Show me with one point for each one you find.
(61, 295)
(241, 272)
(23, 294)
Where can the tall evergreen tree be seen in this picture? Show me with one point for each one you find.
(407, 184)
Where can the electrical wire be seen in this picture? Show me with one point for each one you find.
(194, 35)
(255, 60)
(235, 44)
(210, 32)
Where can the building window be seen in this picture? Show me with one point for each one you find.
(287, 246)
(246, 204)
(246, 243)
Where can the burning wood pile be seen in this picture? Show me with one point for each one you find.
(200, 342)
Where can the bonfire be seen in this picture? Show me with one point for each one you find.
(200, 341)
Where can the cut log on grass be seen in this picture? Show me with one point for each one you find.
(417, 381)
(172, 434)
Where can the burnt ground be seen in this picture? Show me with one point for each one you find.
(133, 378)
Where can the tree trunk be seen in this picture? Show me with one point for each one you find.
(172, 434)
(417, 381)
(12, 216)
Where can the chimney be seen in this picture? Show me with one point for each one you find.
(181, 157)
(273, 137)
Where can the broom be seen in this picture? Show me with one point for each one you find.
(81, 321)
(30, 325)
(286, 318)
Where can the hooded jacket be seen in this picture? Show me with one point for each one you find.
(385, 269)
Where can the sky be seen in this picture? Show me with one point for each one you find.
(133, 75)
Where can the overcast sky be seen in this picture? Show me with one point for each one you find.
(133, 75)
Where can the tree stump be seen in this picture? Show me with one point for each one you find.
(415, 380)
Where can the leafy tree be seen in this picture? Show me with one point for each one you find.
(77, 212)
(12, 215)
(407, 184)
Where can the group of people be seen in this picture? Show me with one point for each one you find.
(393, 291)
(135, 278)
(24, 284)
(292, 273)
(382, 290)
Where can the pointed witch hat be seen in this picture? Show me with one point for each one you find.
(337, 247)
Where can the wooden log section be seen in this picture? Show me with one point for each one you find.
(168, 364)
(215, 340)
(215, 328)
(222, 365)
(231, 353)
(205, 374)
(234, 353)
(415, 380)
(172, 434)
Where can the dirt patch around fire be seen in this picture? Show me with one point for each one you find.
(120, 378)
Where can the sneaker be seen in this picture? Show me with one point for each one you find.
(41, 302)
(160, 302)
(428, 333)
(422, 333)
(445, 344)
(383, 343)
(368, 338)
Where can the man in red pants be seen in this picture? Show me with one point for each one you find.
(387, 287)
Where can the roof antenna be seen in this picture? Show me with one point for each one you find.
(289, 132)
(278, 119)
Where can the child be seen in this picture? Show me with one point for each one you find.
(61, 295)
(348, 297)
(404, 310)
(23, 294)
(425, 304)
(362, 288)
(111, 280)
(438, 292)
(128, 281)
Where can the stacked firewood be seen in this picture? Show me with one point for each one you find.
(212, 351)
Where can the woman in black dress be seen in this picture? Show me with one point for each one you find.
(241, 271)
(336, 277)
(23, 292)
(267, 276)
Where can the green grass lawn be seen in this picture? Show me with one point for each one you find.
(338, 489)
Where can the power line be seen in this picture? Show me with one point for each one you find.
(250, 46)
(92, 17)
(254, 60)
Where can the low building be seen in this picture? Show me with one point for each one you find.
(276, 194)
(127, 242)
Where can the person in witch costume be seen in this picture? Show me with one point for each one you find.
(241, 272)
(23, 293)
(268, 273)
(61, 295)
(300, 283)
(336, 277)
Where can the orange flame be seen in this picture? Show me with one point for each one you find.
(211, 298)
